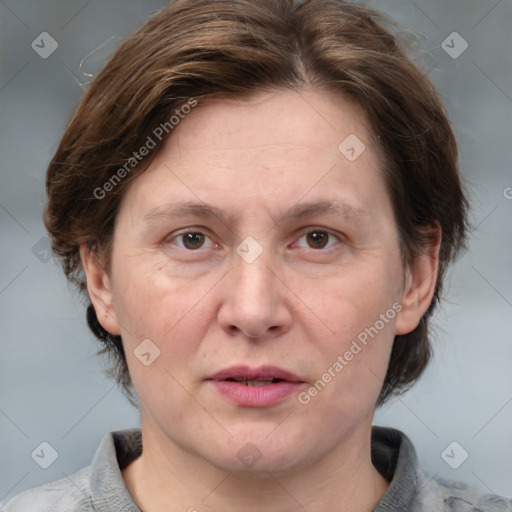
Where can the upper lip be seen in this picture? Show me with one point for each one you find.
(262, 373)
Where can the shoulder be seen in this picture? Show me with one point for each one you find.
(415, 490)
(98, 487)
(443, 495)
(69, 493)
(438, 494)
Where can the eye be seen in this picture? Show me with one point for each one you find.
(319, 239)
(190, 240)
(315, 239)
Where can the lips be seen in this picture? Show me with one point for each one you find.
(254, 382)
(255, 387)
(264, 374)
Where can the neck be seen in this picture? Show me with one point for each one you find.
(167, 478)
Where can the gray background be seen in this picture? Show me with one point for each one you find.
(51, 385)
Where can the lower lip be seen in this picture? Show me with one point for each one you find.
(256, 396)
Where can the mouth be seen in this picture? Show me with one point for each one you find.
(255, 382)
(255, 387)
(264, 375)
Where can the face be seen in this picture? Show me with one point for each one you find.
(263, 266)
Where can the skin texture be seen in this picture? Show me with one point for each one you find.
(298, 306)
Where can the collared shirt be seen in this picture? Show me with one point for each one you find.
(100, 486)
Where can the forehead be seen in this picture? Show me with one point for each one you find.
(299, 119)
(274, 148)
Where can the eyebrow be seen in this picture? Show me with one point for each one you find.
(297, 212)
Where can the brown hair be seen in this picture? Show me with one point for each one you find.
(201, 50)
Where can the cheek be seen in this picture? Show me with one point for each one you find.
(354, 299)
(152, 303)
(171, 315)
(360, 309)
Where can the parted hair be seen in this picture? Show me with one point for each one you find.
(202, 50)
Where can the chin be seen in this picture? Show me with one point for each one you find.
(260, 450)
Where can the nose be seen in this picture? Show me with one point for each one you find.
(255, 300)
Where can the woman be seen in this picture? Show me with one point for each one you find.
(260, 200)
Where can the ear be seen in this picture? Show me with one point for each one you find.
(98, 286)
(420, 284)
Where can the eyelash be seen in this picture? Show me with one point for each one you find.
(172, 239)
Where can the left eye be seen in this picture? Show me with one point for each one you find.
(318, 239)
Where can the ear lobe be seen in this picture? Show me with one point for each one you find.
(420, 284)
(98, 286)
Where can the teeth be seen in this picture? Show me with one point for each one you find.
(254, 382)
(257, 382)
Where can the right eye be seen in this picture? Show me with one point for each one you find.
(190, 240)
